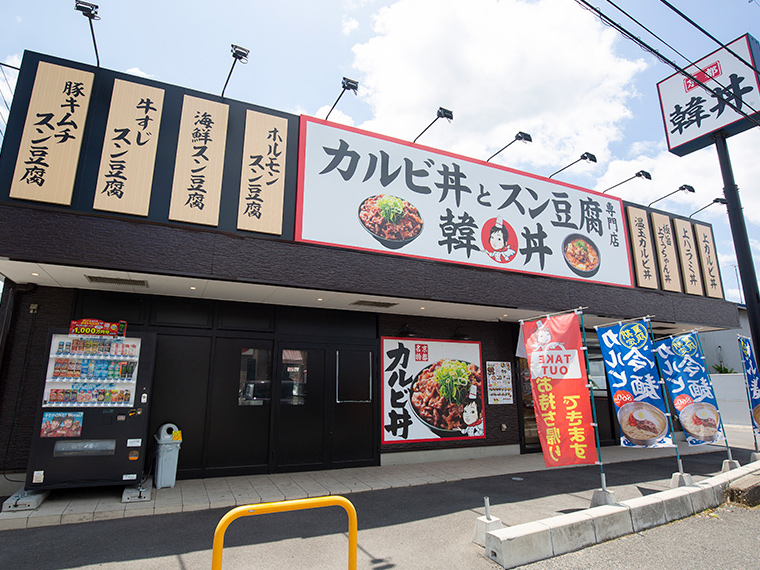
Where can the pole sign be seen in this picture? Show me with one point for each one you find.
(685, 373)
(692, 114)
(634, 383)
(560, 393)
(753, 379)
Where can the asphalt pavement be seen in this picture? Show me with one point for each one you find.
(418, 527)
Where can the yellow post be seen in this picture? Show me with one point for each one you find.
(282, 506)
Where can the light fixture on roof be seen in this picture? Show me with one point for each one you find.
(587, 156)
(89, 11)
(238, 54)
(681, 188)
(716, 201)
(441, 114)
(640, 174)
(346, 85)
(521, 136)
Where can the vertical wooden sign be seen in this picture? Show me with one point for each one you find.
(642, 248)
(262, 182)
(665, 245)
(709, 258)
(197, 186)
(687, 250)
(52, 138)
(129, 149)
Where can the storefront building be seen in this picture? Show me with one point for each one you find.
(290, 330)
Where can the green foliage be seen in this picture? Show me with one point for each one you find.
(720, 369)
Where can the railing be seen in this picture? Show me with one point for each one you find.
(283, 506)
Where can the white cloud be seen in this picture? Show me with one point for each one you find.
(337, 116)
(139, 73)
(348, 25)
(485, 61)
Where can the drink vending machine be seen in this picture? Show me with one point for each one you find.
(92, 422)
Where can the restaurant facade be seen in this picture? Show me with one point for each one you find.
(320, 296)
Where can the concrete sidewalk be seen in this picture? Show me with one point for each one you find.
(98, 504)
(404, 525)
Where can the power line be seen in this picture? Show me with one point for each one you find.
(709, 35)
(646, 47)
(691, 63)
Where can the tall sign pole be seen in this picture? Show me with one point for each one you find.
(711, 100)
(741, 240)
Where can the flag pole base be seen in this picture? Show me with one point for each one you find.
(729, 464)
(603, 497)
(680, 480)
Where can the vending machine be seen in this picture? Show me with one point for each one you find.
(91, 426)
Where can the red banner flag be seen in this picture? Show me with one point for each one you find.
(560, 395)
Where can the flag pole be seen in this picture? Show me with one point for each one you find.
(720, 416)
(590, 386)
(665, 398)
(746, 385)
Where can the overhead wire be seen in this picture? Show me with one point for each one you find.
(709, 35)
(649, 49)
(690, 62)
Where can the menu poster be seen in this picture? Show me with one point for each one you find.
(499, 382)
(753, 380)
(685, 373)
(560, 393)
(665, 245)
(432, 390)
(643, 249)
(634, 383)
(687, 249)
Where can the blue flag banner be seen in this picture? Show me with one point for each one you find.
(635, 385)
(685, 373)
(753, 379)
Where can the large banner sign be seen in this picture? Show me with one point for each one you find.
(753, 379)
(432, 390)
(560, 393)
(691, 114)
(363, 191)
(634, 383)
(685, 373)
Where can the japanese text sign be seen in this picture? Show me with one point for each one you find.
(685, 373)
(363, 191)
(262, 183)
(560, 391)
(52, 138)
(129, 149)
(432, 390)
(197, 186)
(687, 250)
(643, 250)
(634, 383)
(691, 114)
(708, 257)
(670, 276)
(753, 379)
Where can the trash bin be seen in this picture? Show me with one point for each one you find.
(168, 440)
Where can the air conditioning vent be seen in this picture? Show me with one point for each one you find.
(117, 281)
(375, 304)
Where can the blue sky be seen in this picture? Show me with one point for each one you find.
(546, 67)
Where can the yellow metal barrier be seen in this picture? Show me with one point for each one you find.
(282, 506)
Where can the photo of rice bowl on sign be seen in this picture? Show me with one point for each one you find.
(390, 220)
(642, 423)
(439, 394)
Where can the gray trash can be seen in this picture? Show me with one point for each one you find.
(167, 455)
